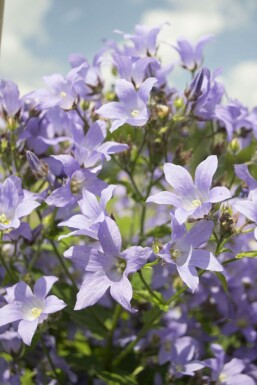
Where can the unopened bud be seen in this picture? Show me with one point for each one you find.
(157, 246)
(178, 103)
(234, 146)
(38, 167)
(163, 110)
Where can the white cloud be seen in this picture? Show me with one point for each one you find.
(24, 22)
(241, 82)
(193, 19)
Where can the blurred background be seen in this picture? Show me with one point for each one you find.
(38, 36)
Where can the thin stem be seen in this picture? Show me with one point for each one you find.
(108, 355)
(50, 360)
(63, 265)
(8, 271)
(148, 287)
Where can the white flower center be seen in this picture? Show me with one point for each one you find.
(135, 113)
(35, 312)
(196, 202)
(175, 254)
(63, 94)
(223, 377)
(4, 220)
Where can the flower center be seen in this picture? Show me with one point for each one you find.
(4, 220)
(196, 202)
(35, 312)
(135, 113)
(121, 265)
(175, 254)
(76, 184)
(223, 377)
(63, 94)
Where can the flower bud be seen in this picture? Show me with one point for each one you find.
(234, 146)
(38, 167)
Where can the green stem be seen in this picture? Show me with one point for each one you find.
(63, 265)
(50, 360)
(148, 287)
(8, 271)
(108, 352)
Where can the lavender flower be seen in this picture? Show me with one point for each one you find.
(109, 268)
(191, 199)
(186, 253)
(15, 203)
(28, 308)
(132, 105)
(191, 55)
(229, 373)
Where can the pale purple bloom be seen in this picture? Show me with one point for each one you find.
(191, 55)
(204, 94)
(15, 203)
(186, 252)
(29, 308)
(10, 102)
(144, 40)
(132, 106)
(90, 149)
(191, 199)
(77, 180)
(182, 361)
(92, 213)
(109, 268)
(229, 373)
(247, 207)
(60, 92)
(233, 116)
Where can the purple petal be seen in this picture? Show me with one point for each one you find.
(112, 110)
(106, 195)
(200, 233)
(117, 123)
(178, 230)
(126, 92)
(165, 198)
(181, 214)
(136, 257)
(89, 205)
(205, 260)
(109, 237)
(70, 165)
(53, 304)
(204, 174)
(78, 221)
(145, 89)
(248, 208)
(10, 313)
(61, 197)
(240, 379)
(26, 207)
(189, 275)
(235, 366)
(80, 255)
(122, 293)
(26, 330)
(93, 288)
(219, 194)
(95, 135)
(242, 172)
(180, 179)
(44, 285)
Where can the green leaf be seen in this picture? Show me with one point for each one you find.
(27, 378)
(222, 280)
(247, 254)
(159, 231)
(117, 378)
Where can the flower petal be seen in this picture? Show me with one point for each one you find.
(204, 174)
(44, 285)
(189, 275)
(219, 194)
(26, 330)
(109, 237)
(122, 293)
(180, 179)
(53, 304)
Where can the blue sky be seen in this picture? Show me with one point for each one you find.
(39, 35)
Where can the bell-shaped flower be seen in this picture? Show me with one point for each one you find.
(132, 106)
(29, 308)
(108, 268)
(191, 199)
(92, 214)
(186, 252)
(15, 203)
(191, 55)
(229, 373)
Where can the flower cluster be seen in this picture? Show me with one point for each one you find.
(137, 206)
